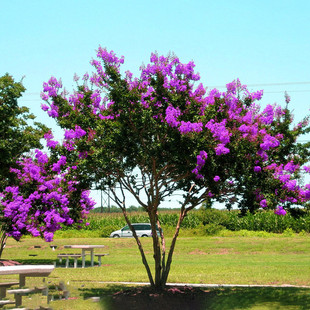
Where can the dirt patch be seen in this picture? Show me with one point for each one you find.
(37, 247)
(185, 298)
(223, 251)
(10, 246)
(122, 245)
(198, 252)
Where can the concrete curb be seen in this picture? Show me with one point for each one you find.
(210, 285)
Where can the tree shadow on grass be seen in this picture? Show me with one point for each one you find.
(35, 261)
(43, 261)
(184, 298)
(260, 298)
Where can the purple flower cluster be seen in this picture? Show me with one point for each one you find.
(263, 203)
(109, 57)
(49, 206)
(220, 149)
(187, 127)
(172, 115)
(257, 169)
(216, 178)
(49, 140)
(201, 159)
(219, 131)
(71, 135)
(280, 211)
(76, 133)
(171, 118)
(269, 142)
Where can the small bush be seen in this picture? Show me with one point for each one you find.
(288, 232)
(213, 216)
(212, 229)
(107, 230)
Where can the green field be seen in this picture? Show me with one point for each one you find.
(272, 260)
(202, 222)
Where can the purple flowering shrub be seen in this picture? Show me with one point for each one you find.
(161, 133)
(227, 126)
(47, 197)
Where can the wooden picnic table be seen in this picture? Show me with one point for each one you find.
(85, 248)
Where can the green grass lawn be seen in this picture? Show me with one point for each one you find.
(274, 260)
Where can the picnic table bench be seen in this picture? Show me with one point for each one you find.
(4, 286)
(99, 255)
(23, 271)
(67, 256)
(83, 248)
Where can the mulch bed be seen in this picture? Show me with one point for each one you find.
(7, 262)
(185, 298)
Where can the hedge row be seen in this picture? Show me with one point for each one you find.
(210, 220)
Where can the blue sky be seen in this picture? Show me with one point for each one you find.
(263, 43)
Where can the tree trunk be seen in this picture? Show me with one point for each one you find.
(121, 204)
(156, 247)
(158, 279)
(166, 270)
(144, 260)
(2, 241)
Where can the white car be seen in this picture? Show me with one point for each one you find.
(142, 230)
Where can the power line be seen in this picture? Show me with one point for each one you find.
(288, 91)
(279, 84)
(268, 84)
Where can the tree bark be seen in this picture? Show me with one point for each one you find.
(3, 239)
(156, 249)
(166, 270)
(144, 260)
(121, 204)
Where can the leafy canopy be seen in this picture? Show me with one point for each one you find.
(17, 135)
(179, 137)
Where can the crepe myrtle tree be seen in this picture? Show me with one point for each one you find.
(47, 195)
(161, 134)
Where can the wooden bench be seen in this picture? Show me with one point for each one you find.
(99, 255)
(67, 256)
(4, 286)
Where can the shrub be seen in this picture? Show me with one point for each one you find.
(107, 230)
(213, 216)
(212, 229)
